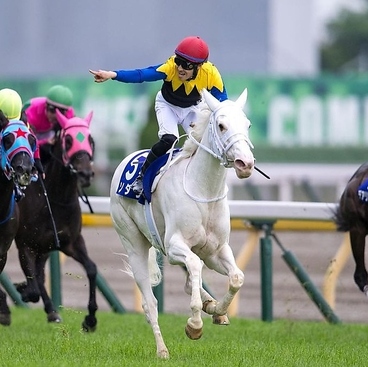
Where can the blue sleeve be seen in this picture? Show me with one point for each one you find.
(149, 74)
(221, 96)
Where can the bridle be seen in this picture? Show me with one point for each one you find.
(67, 154)
(21, 144)
(220, 143)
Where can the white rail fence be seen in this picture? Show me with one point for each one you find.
(285, 178)
(268, 212)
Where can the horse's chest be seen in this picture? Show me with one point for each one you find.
(210, 241)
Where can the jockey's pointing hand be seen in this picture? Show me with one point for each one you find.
(102, 75)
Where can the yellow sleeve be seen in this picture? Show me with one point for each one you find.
(169, 68)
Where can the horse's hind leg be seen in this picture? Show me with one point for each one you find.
(224, 263)
(357, 240)
(138, 256)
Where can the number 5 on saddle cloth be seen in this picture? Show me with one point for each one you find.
(133, 165)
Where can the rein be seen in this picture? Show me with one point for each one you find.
(197, 199)
(82, 194)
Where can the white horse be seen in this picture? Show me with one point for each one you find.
(191, 214)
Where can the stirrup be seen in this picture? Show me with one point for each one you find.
(137, 185)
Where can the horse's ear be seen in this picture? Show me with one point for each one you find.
(89, 118)
(63, 121)
(211, 101)
(242, 99)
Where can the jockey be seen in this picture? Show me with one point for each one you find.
(184, 75)
(40, 113)
(11, 106)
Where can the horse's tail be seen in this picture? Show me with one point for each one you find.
(342, 225)
(155, 273)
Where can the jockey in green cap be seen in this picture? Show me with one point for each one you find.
(40, 113)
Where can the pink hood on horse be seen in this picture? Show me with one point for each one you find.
(78, 129)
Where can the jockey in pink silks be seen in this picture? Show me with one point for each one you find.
(40, 113)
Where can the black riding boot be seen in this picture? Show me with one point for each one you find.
(137, 185)
(158, 150)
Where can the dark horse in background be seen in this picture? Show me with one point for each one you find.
(68, 170)
(17, 145)
(352, 216)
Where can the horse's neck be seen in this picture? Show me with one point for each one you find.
(205, 176)
(61, 184)
(6, 192)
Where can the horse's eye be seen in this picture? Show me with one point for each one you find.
(79, 155)
(8, 141)
(32, 142)
(68, 142)
(221, 127)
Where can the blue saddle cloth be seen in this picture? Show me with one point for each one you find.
(363, 192)
(131, 171)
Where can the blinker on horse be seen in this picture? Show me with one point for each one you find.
(352, 216)
(17, 145)
(188, 213)
(70, 166)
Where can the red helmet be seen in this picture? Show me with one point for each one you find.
(193, 49)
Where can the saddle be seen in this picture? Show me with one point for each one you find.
(363, 192)
(151, 177)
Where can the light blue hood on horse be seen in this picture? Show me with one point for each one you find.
(21, 144)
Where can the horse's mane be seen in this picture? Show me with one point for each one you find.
(197, 130)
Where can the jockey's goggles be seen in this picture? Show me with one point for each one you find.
(186, 65)
(53, 109)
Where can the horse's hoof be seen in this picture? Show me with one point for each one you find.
(54, 317)
(5, 319)
(365, 290)
(163, 354)
(220, 320)
(192, 333)
(89, 324)
(20, 287)
(31, 297)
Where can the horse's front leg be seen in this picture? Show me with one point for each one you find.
(5, 317)
(49, 308)
(224, 263)
(206, 299)
(181, 254)
(78, 252)
(357, 240)
(29, 289)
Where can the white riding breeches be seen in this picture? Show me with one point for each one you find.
(170, 116)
